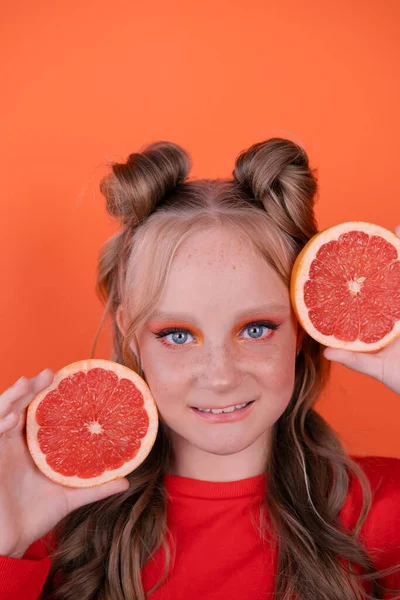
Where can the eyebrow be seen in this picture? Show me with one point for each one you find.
(265, 308)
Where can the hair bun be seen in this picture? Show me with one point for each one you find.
(277, 174)
(133, 189)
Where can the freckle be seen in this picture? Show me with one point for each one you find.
(234, 267)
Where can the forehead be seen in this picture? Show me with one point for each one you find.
(218, 267)
(215, 247)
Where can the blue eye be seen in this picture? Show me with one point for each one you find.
(257, 333)
(256, 328)
(179, 337)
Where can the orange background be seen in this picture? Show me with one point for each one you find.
(84, 82)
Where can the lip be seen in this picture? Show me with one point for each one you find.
(236, 415)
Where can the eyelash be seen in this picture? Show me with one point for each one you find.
(162, 334)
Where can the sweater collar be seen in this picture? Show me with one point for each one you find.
(176, 485)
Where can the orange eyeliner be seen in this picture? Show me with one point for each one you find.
(257, 321)
(178, 325)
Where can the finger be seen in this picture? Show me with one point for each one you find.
(80, 497)
(8, 423)
(397, 230)
(18, 396)
(368, 364)
(12, 395)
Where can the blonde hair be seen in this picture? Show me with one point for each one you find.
(102, 548)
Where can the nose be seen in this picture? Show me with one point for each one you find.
(221, 371)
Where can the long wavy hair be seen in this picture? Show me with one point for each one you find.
(101, 548)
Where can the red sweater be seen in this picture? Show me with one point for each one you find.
(219, 553)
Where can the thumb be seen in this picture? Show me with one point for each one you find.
(369, 364)
(80, 496)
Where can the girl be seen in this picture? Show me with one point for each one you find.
(247, 493)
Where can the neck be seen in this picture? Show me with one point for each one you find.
(191, 461)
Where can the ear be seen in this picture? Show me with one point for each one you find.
(120, 320)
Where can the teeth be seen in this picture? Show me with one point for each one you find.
(217, 411)
(229, 409)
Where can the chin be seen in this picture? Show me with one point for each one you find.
(223, 447)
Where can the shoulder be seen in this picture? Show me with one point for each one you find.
(380, 470)
(381, 529)
(383, 473)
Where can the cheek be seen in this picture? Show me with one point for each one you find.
(278, 375)
(277, 369)
(165, 373)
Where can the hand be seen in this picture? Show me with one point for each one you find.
(31, 504)
(383, 365)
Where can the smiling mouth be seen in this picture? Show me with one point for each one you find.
(228, 409)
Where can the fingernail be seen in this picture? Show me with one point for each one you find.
(19, 381)
(42, 373)
(9, 417)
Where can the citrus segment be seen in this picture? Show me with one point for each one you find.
(97, 421)
(345, 286)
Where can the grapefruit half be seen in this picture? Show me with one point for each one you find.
(345, 287)
(96, 422)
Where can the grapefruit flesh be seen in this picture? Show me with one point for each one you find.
(96, 422)
(345, 287)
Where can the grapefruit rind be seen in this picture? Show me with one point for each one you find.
(299, 277)
(147, 442)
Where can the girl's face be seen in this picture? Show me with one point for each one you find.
(223, 337)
